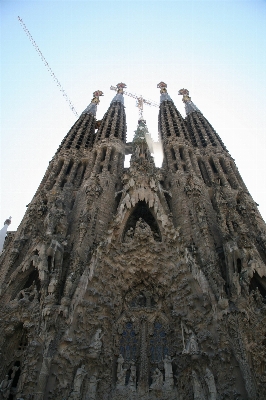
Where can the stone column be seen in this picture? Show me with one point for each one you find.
(143, 386)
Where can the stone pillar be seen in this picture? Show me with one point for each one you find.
(143, 386)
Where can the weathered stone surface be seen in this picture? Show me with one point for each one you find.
(137, 283)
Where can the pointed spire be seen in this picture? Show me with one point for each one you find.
(92, 107)
(142, 142)
(164, 95)
(3, 233)
(189, 105)
(119, 96)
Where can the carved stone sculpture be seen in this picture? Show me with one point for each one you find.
(209, 378)
(78, 380)
(5, 387)
(157, 380)
(133, 377)
(168, 262)
(121, 373)
(92, 387)
(96, 344)
(168, 373)
(192, 345)
(197, 388)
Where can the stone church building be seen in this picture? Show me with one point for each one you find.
(140, 282)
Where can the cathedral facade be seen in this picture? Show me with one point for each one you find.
(140, 282)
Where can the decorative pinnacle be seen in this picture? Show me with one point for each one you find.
(96, 96)
(185, 94)
(92, 107)
(164, 95)
(8, 221)
(120, 86)
(163, 87)
(189, 105)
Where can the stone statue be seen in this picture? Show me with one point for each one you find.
(192, 346)
(5, 387)
(197, 388)
(244, 282)
(69, 284)
(78, 380)
(143, 230)
(129, 235)
(121, 375)
(157, 380)
(92, 387)
(120, 362)
(133, 377)
(137, 151)
(96, 344)
(14, 370)
(168, 372)
(52, 284)
(209, 379)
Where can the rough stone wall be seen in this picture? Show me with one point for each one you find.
(138, 283)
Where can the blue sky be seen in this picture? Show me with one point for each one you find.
(216, 49)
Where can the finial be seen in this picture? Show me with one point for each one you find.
(96, 96)
(92, 107)
(163, 87)
(164, 95)
(185, 94)
(120, 86)
(119, 96)
(8, 221)
(189, 105)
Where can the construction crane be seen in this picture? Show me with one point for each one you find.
(140, 101)
(48, 67)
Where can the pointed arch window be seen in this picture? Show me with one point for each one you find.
(128, 343)
(158, 343)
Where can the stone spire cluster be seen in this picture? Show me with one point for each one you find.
(141, 282)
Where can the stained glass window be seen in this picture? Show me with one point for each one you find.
(128, 343)
(158, 343)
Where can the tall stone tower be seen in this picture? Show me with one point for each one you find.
(140, 282)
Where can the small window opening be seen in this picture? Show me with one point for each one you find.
(213, 167)
(204, 172)
(173, 153)
(117, 200)
(50, 263)
(176, 166)
(112, 155)
(103, 153)
(70, 165)
(184, 167)
(85, 164)
(181, 152)
(64, 181)
(168, 200)
(59, 167)
(239, 265)
(72, 204)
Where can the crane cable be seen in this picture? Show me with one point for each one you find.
(48, 67)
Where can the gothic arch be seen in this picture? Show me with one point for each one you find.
(142, 210)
